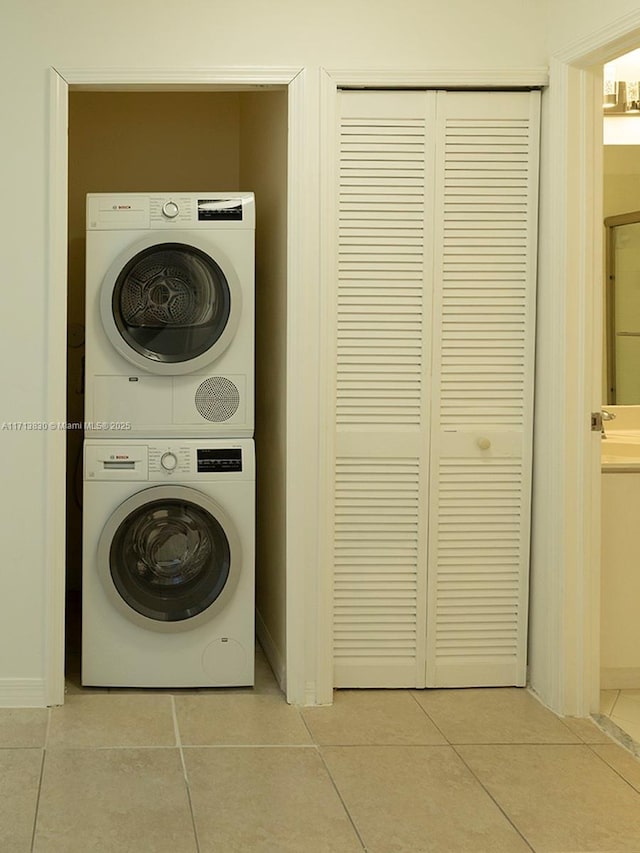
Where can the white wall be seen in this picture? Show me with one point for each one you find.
(410, 34)
(569, 21)
(263, 169)
(407, 34)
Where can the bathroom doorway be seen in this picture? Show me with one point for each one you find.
(619, 635)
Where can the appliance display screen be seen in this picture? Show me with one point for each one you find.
(218, 461)
(216, 209)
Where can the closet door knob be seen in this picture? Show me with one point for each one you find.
(483, 443)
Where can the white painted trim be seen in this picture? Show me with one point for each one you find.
(619, 36)
(299, 618)
(331, 80)
(56, 390)
(328, 289)
(548, 509)
(168, 79)
(565, 565)
(444, 78)
(302, 496)
(568, 679)
(24, 693)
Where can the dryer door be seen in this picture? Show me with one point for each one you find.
(170, 307)
(169, 558)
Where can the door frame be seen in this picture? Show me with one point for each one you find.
(564, 624)
(332, 80)
(301, 483)
(565, 606)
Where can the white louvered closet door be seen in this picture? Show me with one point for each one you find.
(482, 418)
(383, 346)
(434, 378)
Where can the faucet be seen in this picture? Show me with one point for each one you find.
(606, 416)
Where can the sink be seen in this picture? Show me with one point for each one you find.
(618, 450)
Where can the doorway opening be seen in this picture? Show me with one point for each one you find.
(619, 635)
(172, 141)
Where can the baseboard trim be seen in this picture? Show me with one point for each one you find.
(23, 693)
(620, 678)
(272, 652)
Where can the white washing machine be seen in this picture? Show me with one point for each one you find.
(168, 563)
(170, 314)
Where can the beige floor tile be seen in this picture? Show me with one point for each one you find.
(608, 700)
(239, 719)
(561, 798)
(419, 799)
(493, 715)
(19, 782)
(114, 800)
(23, 727)
(112, 721)
(371, 717)
(626, 713)
(586, 730)
(266, 800)
(622, 761)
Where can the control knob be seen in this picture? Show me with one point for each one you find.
(169, 461)
(170, 209)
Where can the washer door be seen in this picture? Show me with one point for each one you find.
(170, 307)
(169, 558)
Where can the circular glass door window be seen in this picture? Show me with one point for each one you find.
(171, 302)
(169, 559)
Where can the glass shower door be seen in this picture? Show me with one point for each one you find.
(623, 309)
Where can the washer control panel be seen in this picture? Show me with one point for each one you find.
(182, 460)
(175, 461)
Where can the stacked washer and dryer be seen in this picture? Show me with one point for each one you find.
(169, 463)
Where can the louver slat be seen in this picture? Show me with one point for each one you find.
(377, 556)
(380, 317)
(480, 498)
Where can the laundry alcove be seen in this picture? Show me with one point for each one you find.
(170, 141)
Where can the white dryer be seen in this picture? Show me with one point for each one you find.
(168, 563)
(170, 314)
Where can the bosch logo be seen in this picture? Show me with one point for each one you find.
(121, 207)
(121, 456)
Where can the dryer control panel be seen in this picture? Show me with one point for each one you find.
(170, 211)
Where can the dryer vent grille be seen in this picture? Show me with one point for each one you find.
(217, 398)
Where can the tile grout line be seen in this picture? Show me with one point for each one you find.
(428, 716)
(615, 702)
(610, 766)
(37, 808)
(185, 775)
(316, 746)
(493, 799)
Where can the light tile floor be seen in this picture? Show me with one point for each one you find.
(386, 771)
(622, 707)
